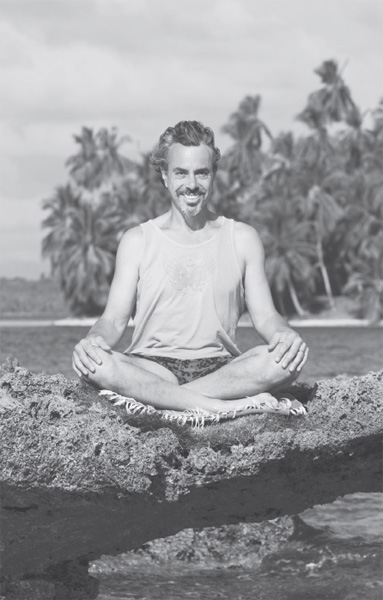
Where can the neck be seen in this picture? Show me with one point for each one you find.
(191, 223)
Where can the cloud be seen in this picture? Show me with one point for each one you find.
(20, 235)
(143, 65)
(42, 173)
(67, 82)
(145, 58)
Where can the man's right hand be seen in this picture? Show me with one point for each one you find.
(85, 354)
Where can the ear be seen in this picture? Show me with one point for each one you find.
(164, 177)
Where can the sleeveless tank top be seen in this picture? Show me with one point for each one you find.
(189, 297)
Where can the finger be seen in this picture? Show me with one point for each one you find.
(282, 348)
(102, 343)
(77, 364)
(294, 364)
(273, 342)
(304, 360)
(84, 357)
(90, 349)
(291, 355)
(76, 370)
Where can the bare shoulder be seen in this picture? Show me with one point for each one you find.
(132, 237)
(134, 233)
(131, 245)
(247, 241)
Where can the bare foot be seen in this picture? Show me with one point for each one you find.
(296, 407)
(260, 403)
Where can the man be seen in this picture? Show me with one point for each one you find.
(190, 273)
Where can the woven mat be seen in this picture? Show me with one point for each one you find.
(199, 417)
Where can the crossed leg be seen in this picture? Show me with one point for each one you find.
(253, 374)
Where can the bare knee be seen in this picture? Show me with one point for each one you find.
(103, 373)
(279, 374)
(269, 369)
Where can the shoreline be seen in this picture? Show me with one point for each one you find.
(89, 321)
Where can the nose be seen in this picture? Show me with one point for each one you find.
(191, 183)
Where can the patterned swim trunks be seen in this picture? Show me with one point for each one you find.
(187, 370)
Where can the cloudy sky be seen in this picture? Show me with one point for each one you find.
(142, 65)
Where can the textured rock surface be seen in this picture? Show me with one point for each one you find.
(81, 479)
(227, 546)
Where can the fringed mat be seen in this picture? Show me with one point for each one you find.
(199, 417)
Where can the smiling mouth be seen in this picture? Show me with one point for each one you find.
(191, 197)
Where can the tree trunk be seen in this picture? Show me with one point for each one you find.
(324, 273)
(294, 298)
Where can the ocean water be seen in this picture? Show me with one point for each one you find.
(333, 351)
(340, 557)
(299, 574)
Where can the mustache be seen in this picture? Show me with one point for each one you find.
(196, 190)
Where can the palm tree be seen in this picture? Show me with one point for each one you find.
(83, 164)
(289, 251)
(281, 173)
(324, 212)
(331, 103)
(366, 279)
(315, 152)
(243, 159)
(333, 100)
(81, 245)
(88, 259)
(373, 153)
(355, 141)
(363, 187)
(60, 206)
(153, 195)
(129, 205)
(321, 158)
(98, 161)
(227, 196)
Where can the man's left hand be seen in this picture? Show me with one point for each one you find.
(291, 350)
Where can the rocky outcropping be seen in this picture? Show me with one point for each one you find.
(79, 478)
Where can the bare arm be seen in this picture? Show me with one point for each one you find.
(110, 327)
(273, 328)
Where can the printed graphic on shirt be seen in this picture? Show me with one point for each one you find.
(189, 272)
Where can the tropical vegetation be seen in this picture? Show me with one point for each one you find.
(316, 200)
(31, 299)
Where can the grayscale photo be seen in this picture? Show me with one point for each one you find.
(191, 300)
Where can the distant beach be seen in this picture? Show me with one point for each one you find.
(27, 303)
(244, 322)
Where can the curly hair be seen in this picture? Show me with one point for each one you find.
(188, 133)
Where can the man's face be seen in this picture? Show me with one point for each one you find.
(189, 177)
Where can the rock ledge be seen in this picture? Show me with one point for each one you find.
(80, 479)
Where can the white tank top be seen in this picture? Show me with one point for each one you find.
(189, 297)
